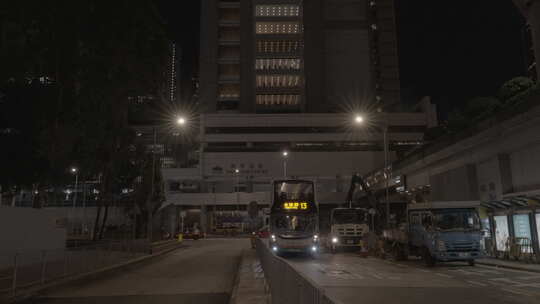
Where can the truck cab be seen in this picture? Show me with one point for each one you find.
(445, 231)
(348, 227)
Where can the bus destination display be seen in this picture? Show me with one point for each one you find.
(295, 205)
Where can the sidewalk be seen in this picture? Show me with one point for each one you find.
(509, 264)
(249, 286)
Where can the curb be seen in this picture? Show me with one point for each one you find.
(79, 278)
(234, 291)
(508, 267)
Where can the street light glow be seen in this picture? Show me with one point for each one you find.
(74, 170)
(285, 153)
(359, 119)
(181, 121)
(236, 171)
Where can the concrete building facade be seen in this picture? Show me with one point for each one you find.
(290, 56)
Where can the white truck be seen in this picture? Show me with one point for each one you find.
(348, 228)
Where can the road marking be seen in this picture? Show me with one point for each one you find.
(443, 275)
(465, 272)
(377, 276)
(477, 283)
(504, 281)
(519, 292)
(424, 270)
(486, 271)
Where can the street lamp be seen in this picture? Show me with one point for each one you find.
(359, 120)
(285, 154)
(237, 173)
(76, 172)
(180, 121)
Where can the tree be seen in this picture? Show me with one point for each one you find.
(515, 87)
(481, 107)
(71, 79)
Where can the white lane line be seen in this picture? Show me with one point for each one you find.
(377, 276)
(443, 275)
(424, 270)
(519, 292)
(477, 283)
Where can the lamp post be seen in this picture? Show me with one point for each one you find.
(237, 174)
(180, 121)
(285, 154)
(76, 172)
(359, 119)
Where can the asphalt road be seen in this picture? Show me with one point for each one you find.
(349, 278)
(202, 273)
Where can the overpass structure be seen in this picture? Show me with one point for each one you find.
(495, 162)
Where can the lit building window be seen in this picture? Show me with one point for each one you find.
(278, 28)
(279, 46)
(278, 100)
(277, 10)
(277, 81)
(277, 64)
(229, 91)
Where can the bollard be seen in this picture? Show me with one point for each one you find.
(180, 237)
(43, 265)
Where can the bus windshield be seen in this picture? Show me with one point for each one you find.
(295, 223)
(456, 219)
(293, 190)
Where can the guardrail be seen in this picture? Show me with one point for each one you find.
(287, 286)
(29, 269)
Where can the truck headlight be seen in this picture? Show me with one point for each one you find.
(334, 240)
(441, 245)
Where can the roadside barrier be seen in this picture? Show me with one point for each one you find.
(24, 270)
(286, 285)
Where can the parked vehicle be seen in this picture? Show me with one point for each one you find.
(437, 232)
(193, 234)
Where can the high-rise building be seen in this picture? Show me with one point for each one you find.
(287, 75)
(276, 56)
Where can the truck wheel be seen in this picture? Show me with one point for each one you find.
(471, 262)
(429, 260)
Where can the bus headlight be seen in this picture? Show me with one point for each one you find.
(334, 240)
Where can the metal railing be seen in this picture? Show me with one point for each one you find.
(24, 270)
(286, 285)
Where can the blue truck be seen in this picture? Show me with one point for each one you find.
(438, 232)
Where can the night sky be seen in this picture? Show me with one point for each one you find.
(450, 50)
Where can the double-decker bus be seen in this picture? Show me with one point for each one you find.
(294, 217)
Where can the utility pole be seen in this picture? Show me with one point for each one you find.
(152, 192)
(386, 173)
